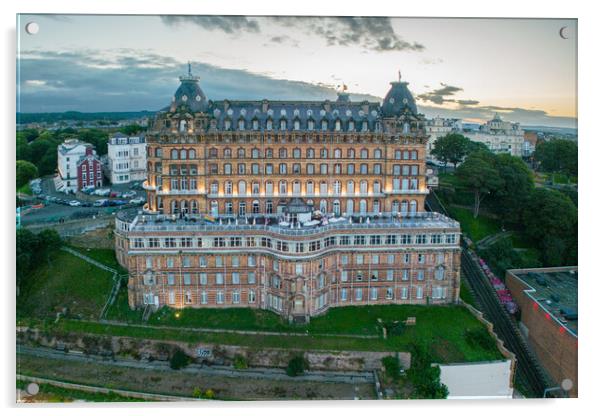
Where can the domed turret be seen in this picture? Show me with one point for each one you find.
(398, 99)
(189, 94)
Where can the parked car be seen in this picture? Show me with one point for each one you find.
(116, 202)
(102, 192)
(101, 203)
(75, 203)
(137, 201)
(115, 195)
(86, 204)
(128, 194)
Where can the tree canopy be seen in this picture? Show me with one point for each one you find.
(451, 148)
(26, 171)
(479, 174)
(516, 185)
(557, 156)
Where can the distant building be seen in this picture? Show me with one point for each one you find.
(500, 136)
(439, 127)
(547, 299)
(126, 158)
(78, 166)
(530, 142)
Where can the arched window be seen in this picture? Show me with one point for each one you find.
(297, 125)
(350, 187)
(349, 207)
(174, 207)
(255, 124)
(296, 188)
(395, 207)
(310, 124)
(324, 153)
(351, 126)
(351, 154)
(398, 154)
(363, 207)
(378, 153)
(241, 153)
(227, 169)
(227, 153)
(337, 125)
(363, 187)
(337, 187)
(364, 153)
(191, 154)
(310, 153)
(376, 206)
(413, 206)
(282, 153)
(255, 153)
(376, 187)
(183, 154)
(282, 188)
(404, 207)
(337, 153)
(364, 126)
(182, 126)
(255, 208)
(227, 124)
(269, 153)
(309, 187)
(323, 188)
(214, 208)
(336, 207)
(296, 153)
(323, 206)
(282, 124)
(214, 189)
(324, 125)
(174, 154)
(242, 188)
(184, 206)
(241, 124)
(269, 188)
(269, 125)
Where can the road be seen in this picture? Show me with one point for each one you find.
(529, 372)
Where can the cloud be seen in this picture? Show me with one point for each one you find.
(124, 80)
(284, 39)
(372, 33)
(439, 95)
(227, 24)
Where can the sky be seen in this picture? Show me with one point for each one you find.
(465, 68)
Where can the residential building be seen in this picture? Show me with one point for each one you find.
(499, 136)
(291, 206)
(547, 298)
(531, 138)
(78, 166)
(126, 158)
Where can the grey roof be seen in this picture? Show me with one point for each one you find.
(190, 95)
(398, 99)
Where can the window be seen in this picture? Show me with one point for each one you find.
(343, 295)
(439, 273)
(404, 292)
(359, 258)
(172, 297)
(187, 279)
(171, 279)
(251, 278)
(450, 239)
(358, 294)
(373, 293)
(203, 278)
(405, 274)
(420, 274)
(390, 274)
(204, 297)
(219, 278)
(344, 276)
(421, 258)
(251, 296)
(220, 296)
(419, 291)
(236, 296)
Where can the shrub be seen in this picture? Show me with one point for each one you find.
(179, 359)
(424, 377)
(297, 366)
(479, 337)
(392, 367)
(240, 362)
(209, 394)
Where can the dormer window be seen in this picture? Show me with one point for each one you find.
(310, 125)
(324, 125)
(406, 128)
(351, 125)
(269, 125)
(241, 124)
(255, 125)
(337, 125)
(282, 124)
(297, 125)
(227, 125)
(365, 126)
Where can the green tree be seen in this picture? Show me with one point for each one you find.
(179, 359)
(451, 148)
(297, 366)
(23, 151)
(550, 220)
(479, 174)
(425, 378)
(510, 197)
(26, 171)
(131, 129)
(557, 156)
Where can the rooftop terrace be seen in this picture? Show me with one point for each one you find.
(154, 222)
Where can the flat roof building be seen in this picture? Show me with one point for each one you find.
(547, 298)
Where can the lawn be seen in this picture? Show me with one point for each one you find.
(466, 294)
(440, 327)
(476, 228)
(65, 281)
(105, 256)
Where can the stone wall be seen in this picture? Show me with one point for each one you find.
(208, 353)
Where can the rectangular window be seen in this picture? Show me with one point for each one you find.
(375, 259)
(421, 239)
(405, 274)
(187, 279)
(202, 261)
(450, 238)
(203, 278)
(235, 261)
(419, 292)
(358, 294)
(406, 239)
(186, 261)
(204, 297)
(344, 276)
(236, 296)
(299, 268)
(188, 297)
(373, 293)
(390, 258)
(172, 297)
(251, 278)
(389, 294)
(171, 279)
(170, 262)
(390, 274)
(220, 297)
(343, 295)
(404, 292)
(421, 258)
(359, 259)
(235, 278)
(251, 296)
(219, 278)
(219, 261)
(344, 258)
(420, 274)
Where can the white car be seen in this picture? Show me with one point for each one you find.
(75, 203)
(128, 194)
(137, 201)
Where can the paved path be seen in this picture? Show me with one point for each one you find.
(492, 239)
(88, 259)
(276, 374)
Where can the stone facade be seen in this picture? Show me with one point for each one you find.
(289, 206)
(500, 136)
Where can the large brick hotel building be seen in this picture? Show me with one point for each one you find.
(292, 206)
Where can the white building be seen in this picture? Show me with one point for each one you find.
(439, 127)
(483, 380)
(70, 153)
(500, 136)
(126, 158)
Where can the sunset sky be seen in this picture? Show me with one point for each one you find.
(467, 68)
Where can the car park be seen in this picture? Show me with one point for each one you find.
(102, 192)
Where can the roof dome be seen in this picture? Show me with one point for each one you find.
(189, 94)
(397, 99)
